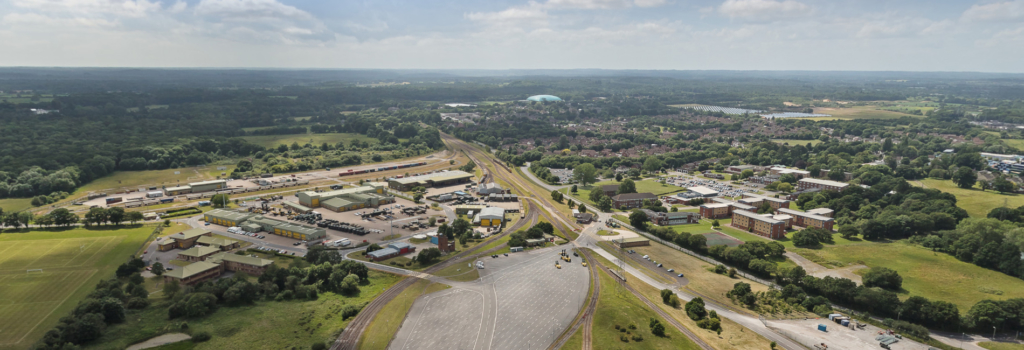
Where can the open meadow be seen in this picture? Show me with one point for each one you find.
(72, 261)
(301, 139)
(263, 325)
(933, 275)
(976, 202)
(15, 204)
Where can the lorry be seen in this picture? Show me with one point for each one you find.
(113, 200)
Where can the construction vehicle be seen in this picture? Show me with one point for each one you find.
(584, 264)
(558, 266)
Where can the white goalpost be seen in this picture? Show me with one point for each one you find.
(34, 271)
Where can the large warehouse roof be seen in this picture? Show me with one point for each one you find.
(436, 177)
(542, 98)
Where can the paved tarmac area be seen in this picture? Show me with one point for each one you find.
(520, 302)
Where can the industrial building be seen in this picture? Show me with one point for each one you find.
(490, 217)
(702, 191)
(438, 179)
(466, 209)
(759, 224)
(391, 251)
(544, 98)
(825, 185)
(808, 219)
(226, 217)
(489, 188)
(346, 199)
(215, 265)
(196, 187)
(799, 174)
(632, 242)
(256, 223)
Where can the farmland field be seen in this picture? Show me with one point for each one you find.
(73, 261)
(301, 139)
(134, 179)
(1015, 143)
(859, 112)
(933, 275)
(976, 202)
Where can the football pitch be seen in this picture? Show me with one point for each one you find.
(44, 274)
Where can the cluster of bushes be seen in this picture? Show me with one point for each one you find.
(669, 298)
(518, 238)
(627, 333)
(543, 173)
(696, 310)
(182, 212)
(106, 305)
(812, 237)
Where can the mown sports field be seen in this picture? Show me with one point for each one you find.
(72, 262)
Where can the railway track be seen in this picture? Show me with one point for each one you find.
(349, 338)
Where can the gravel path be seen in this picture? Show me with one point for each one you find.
(160, 340)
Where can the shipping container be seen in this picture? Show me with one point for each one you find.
(114, 200)
(166, 200)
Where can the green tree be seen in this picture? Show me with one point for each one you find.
(746, 173)
(134, 217)
(63, 217)
(695, 309)
(584, 173)
(171, 288)
(428, 256)
(653, 164)
(638, 219)
(883, 277)
(574, 189)
(116, 215)
(605, 204)
(965, 177)
(583, 208)
(1002, 185)
(715, 224)
(557, 196)
(785, 187)
(157, 269)
(627, 186)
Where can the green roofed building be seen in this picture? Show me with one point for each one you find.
(242, 263)
(217, 242)
(265, 223)
(438, 179)
(196, 187)
(305, 233)
(350, 198)
(632, 242)
(199, 253)
(225, 217)
(193, 273)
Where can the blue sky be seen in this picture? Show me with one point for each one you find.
(985, 36)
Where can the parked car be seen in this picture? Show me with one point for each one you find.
(671, 270)
(680, 275)
(659, 265)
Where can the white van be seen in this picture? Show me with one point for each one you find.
(344, 242)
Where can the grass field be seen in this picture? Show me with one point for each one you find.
(933, 275)
(134, 179)
(1015, 143)
(860, 112)
(616, 306)
(383, 327)
(15, 204)
(976, 202)
(734, 336)
(302, 139)
(1001, 346)
(797, 142)
(702, 279)
(575, 341)
(264, 325)
(73, 261)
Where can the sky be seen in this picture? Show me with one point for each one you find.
(850, 35)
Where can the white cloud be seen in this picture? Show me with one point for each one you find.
(764, 10)
(998, 11)
(588, 4)
(531, 13)
(82, 8)
(649, 3)
(250, 10)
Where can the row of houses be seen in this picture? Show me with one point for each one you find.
(211, 266)
(773, 225)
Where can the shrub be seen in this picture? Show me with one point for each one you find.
(883, 277)
(200, 337)
(318, 346)
(624, 338)
(637, 337)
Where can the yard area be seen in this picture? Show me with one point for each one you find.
(302, 139)
(933, 275)
(976, 202)
(134, 179)
(642, 186)
(264, 325)
(72, 261)
(383, 327)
